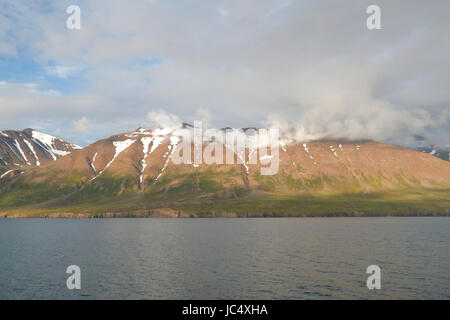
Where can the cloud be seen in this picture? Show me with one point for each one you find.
(205, 116)
(81, 125)
(311, 67)
(35, 90)
(63, 72)
(163, 119)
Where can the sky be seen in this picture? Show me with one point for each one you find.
(311, 68)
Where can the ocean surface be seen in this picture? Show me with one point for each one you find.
(265, 258)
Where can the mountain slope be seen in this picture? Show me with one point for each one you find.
(28, 148)
(442, 153)
(132, 173)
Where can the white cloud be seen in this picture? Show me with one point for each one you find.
(163, 119)
(63, 71)
(205, 116)
(35, 90)
(81, 125)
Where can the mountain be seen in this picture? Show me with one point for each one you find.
(20, 150)
(132, 174)
(423, 145)
(440, 152)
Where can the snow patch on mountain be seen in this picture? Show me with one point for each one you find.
(266, 157)
(241, 156)
(163, 131)
(332, 150)
(49, 142)
(92, 163)
(283, 145)
(45, 147)
(120, 147)
(146, 143)
(3, 175)
(174, 140)
(12, 150)
(156, 143)
(16, 143)
(30, 146)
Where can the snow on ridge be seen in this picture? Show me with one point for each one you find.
(60, 152)
(241, 156)
(174, 140)
(283, 145)
(4, 134)
(146, 143)
(306, 148)
(265, 157)
(15, 153)
(156, 142)
(1, 177)
(92, 163)
(162, 131)
(17, 144)
(120, 147)
(30, 146)
(48, 141)
(153, 132)
(43, 137)
(332, 150)
(45, 147)
(158, 132)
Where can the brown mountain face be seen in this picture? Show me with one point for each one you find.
(134, 171)
(20, 150)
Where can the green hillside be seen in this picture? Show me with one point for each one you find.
(212, 193)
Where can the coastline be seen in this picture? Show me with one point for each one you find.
(398, 204)
(182, 215)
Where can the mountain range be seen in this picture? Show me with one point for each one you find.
(131, 174)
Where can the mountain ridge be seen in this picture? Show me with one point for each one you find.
(132, 174)
(20, 150)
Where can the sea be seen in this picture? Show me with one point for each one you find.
(225, 258)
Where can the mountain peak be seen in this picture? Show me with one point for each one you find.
(28, 148)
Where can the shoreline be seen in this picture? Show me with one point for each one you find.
(203, 216)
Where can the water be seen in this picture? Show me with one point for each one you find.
(286, 258)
